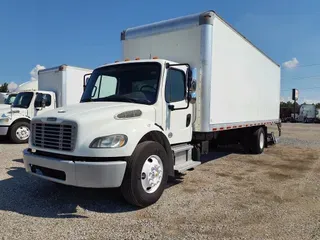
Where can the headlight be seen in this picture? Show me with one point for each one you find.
(112, 141)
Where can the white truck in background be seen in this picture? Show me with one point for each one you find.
(156, 112)
(308, 113)
(9, 97)
(3, 96)
(57, 87)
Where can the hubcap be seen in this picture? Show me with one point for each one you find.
(151, 174)
(23, 133)
(261, 140)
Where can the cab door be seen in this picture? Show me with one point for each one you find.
(177, 112)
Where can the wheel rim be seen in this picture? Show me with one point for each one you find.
(151, 174)
(23, 133)
(261, 140)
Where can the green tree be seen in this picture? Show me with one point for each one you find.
(4, 87)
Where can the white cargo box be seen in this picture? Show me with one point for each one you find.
(65, 81)
(238, 85)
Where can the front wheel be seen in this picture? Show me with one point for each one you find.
(146, 174)
(20, 132)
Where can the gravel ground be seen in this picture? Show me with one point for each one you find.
(275, 195)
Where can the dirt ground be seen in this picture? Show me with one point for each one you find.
(275, 195)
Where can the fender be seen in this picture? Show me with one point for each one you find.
(135, 129)
(20, 119)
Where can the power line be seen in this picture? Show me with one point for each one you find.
(302, 66)
(301, 89)
(302, 78)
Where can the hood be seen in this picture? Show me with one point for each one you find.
(5, 106)
(6, 112)
(89, 111)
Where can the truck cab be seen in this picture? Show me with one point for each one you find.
(138, 110)
(8, 100)
(15, 121)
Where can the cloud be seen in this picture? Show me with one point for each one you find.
(300, 101)
(285, 99)
(12, 86)
(34, 72)
(310, 101)
(293, 63)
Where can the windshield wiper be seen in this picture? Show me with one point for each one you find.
(117, 98)
(19, 106)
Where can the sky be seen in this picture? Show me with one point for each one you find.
(39, 34)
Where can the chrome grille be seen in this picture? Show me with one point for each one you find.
(54, 136)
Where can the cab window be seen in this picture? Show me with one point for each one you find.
(42, 97)
(175, 89)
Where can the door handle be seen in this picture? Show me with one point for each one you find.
(188, 120)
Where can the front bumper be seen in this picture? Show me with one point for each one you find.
(81, 174)
(4, 130)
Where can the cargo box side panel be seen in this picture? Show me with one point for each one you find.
(51, 80)
(245, 83)
(182, 46)
(74, 84)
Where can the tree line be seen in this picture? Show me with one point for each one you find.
(4, 87)
(290, 105)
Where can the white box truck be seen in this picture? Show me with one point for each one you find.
(57, 87)
(185, 85)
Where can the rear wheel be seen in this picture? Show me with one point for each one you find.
(146, 174)
(258, 141)
(20, 132)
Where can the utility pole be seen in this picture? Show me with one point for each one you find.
(295, 94)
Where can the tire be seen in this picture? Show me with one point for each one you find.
(258, 141)
(147, 154)
(22, 129)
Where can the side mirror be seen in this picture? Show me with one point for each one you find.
(86, 78)
(192, 97)
(192, 77)
(43, 103)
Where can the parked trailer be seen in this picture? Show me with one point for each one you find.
(57, 87)
(307, 113)
(318, 115)
(155, 113)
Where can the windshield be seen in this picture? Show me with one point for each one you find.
(131, 82)
(9, 100)
(23, 100)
